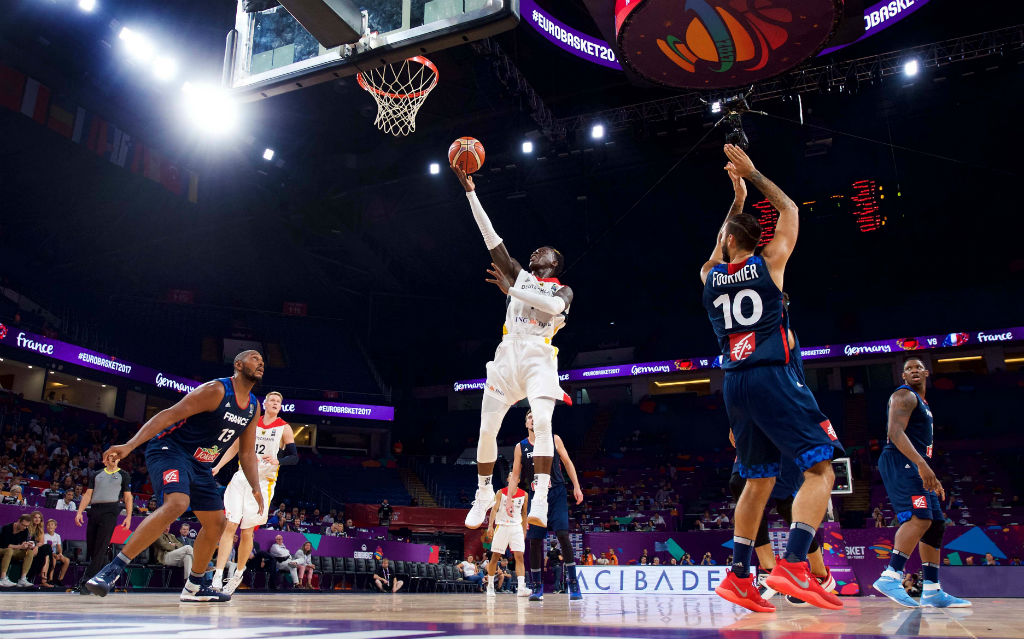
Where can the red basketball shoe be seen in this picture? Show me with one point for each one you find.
(743, 592)
(795, 579)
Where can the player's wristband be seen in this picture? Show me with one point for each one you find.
(491, 237)
(548, 304)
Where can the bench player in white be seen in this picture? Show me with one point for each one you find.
(525, 364)
(275, 446)
(509, 515)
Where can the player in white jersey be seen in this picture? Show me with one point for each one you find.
(509, 514)
(525, 364)
(273, 435)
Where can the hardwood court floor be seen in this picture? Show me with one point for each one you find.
(296, 615)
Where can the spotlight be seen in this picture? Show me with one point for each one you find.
(165, 68)
(435, 168)
(87, 5)
(911, 67)
(209, 108)
(716, 106)
(137, 45)
(268, 154)
(527, 147)
(597, 132)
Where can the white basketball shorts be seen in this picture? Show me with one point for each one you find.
(508, 536)
(240, 506)
(523, 367)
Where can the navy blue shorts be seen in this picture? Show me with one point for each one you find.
(558, 513)
(774, 417)
(905, 488)
(171, 470)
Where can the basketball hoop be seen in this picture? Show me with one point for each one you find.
(399, 90)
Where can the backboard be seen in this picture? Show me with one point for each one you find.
(272, 53)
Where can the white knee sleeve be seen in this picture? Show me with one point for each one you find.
(542, 409)
(492, 412)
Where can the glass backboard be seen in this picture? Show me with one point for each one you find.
(273, 53)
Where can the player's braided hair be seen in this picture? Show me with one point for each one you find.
(745, 229)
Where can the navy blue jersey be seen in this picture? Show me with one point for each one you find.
(746, 312)
(526, 476)
(206, 435)
(919, 426)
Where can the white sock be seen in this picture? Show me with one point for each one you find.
(543, 482)
(522, 582)
(483, 481)
(932, 586)
(218, 574)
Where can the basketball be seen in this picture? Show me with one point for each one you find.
(467, 154)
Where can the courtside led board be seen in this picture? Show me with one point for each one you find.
(272, 53)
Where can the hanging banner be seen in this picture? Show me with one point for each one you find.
(578, 44)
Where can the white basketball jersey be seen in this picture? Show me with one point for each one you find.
(518, 498)
(268, 443)
(523, 320)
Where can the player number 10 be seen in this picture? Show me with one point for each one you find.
(736, 308)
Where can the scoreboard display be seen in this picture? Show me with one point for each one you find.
(863, 204)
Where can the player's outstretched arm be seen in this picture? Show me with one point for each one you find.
(517, 471)
(776, 253)
(205, 397)
(739, 189)
(499, 253)
(901, 406)
(226, 457)
(289, 454)
(570, 468)
(248, 461)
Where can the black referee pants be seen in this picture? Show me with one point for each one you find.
(102, 520)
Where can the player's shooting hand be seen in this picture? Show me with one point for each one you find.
(464, 178)
(256, 493)
(578, 494)
(119, 451)
(742, 164)
(499, 279)
(930, 480)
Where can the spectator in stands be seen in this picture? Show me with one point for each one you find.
(37, 534)
(349, 526)
(53, 490)
(384, 514)
(969, 561)
(15, 498)
(687, 560)
(990, 560)
(57, 556)
(707, 561)
(588, 558)
(946, 562)
(612, 558)
(912, 585)
(185, 535)
(879, 521)
(721, 520)
(673, 562)
(283, 557)
(172, 552)
(328, 518)
(644, 559)
(16, 546)
(1015, 562)
(316, 518)
(503, 575)
(385, 579)
(554, 561)
(303, 560)
(658, 521)
(336, 530)
(280, 513)
(728, 560)
(67, 503)
(470, 572)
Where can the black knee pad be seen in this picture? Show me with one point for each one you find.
(785, 508)
(568, 555)
(736, 484)
(762, 538)
(933, 536)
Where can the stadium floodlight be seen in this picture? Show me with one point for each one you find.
(597, 132)
(209, 108)
(87, 5)
(268, 154)
(435, 168)
(527, 147)
(138, 46)
(165, 68)
(911, 67)
(716, 106)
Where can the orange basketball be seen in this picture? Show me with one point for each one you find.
(467, 154)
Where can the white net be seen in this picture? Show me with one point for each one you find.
(399, 90)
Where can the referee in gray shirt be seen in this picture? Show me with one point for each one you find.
(106, 489)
